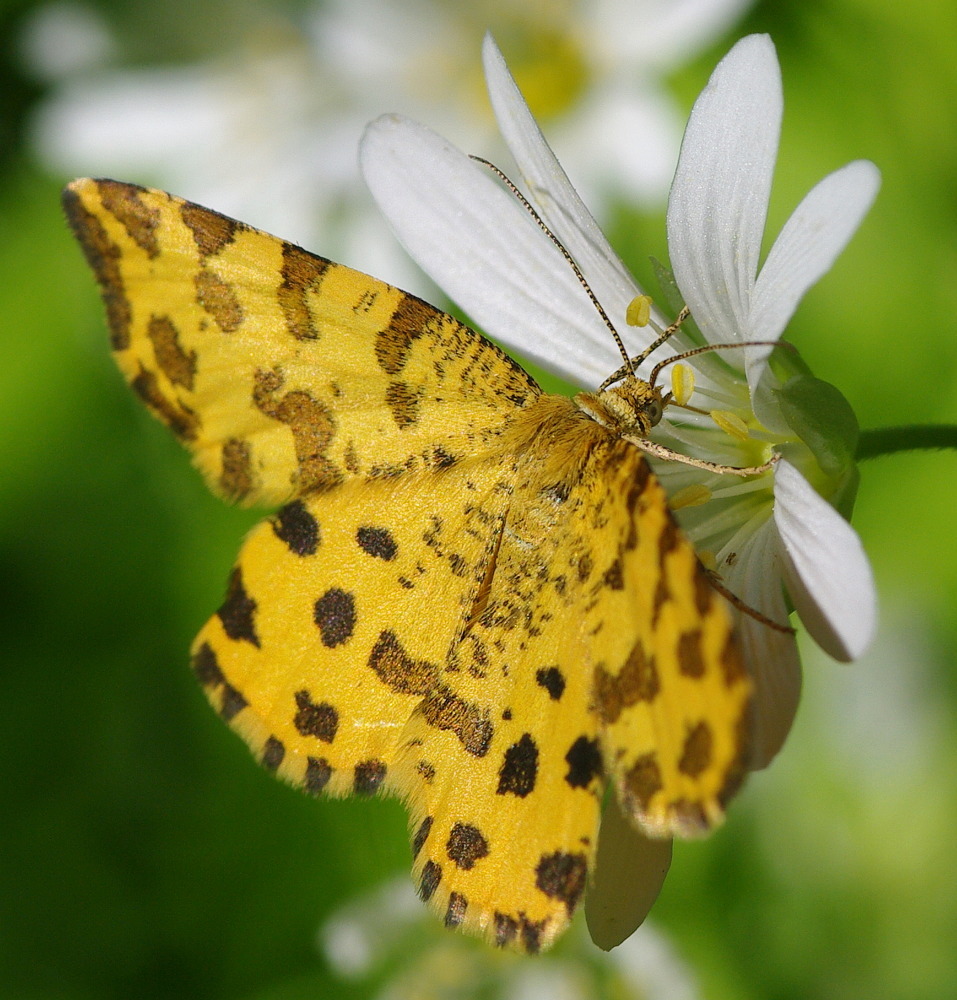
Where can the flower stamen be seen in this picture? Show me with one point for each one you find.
(682, 384)
(731, 424)
(638, 312)
(739, 489)
(691, 496)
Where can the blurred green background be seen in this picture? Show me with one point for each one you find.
(142, 854)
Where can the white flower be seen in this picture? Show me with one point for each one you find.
(267, 131)
(716, 219)
(773, 537)
(385, 936)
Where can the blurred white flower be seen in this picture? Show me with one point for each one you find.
(386, 938)
(62, 39)
(268, 132)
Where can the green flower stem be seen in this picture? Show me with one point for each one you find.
(888, 440)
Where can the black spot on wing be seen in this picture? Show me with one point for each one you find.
(506, 929)
(318, 773)
(519, 769)
(614, 577)
(584, 762)
(311, 719)
(368, 776)
(208, 673)
(697, 752)
(552, 679)
(273, 753)
(421, 836)
(455, 913)
(691, 653)
(294, 525)
(335, 614)
(562, 876)
(426, 771)
(399, 671)
(236, 478)
(431, 876)
(531, 933)
(443, 709)
(238, 611)
(510, 928)
(466, 845)
(585, 566)
(377, 542)
(637, 680)
(211, 231)
(641, 782)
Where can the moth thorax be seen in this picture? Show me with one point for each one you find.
(630, 407)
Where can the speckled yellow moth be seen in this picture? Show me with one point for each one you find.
(473, 594)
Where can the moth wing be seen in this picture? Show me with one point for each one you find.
(599, 651)
(281, 371)
(339, 619)
(478, 599)
(501, 764)
(502, 769)
(669, 684)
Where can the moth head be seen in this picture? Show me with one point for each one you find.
(631, 406)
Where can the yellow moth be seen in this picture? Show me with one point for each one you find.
(473, 594)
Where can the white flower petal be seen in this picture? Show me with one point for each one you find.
(548, 187)
(777, 685)
(806, 248)
(719, 199)
(772, 656)
(475, 240)
(629, 871)
(827, 573)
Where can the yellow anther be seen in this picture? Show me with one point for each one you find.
(682, 383)
(731, 424)
(638, 312)
(691, 496)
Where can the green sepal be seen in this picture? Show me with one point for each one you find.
(786, 362)
(842, 500)
(823, 419)
(668, 285)
(672, 296)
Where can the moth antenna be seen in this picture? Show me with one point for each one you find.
(637, 360)
(530, 208)
(709, 347)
